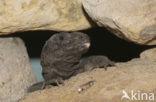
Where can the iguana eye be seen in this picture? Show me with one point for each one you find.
(80, 37)
(61, 38)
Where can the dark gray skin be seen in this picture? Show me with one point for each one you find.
(60, 59)
(92, 62)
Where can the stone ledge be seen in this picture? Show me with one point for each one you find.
(137, 74)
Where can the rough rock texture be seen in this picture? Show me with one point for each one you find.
(137, 74)
(149, 54)
(59, 15)
(15, 72)
(133, 20)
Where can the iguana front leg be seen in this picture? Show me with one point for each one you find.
(92, 62)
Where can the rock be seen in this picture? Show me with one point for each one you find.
(15, 72)
(58, 15)
(149, 54)
(133, 20)
(137, 75)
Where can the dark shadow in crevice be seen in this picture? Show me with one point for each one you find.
(34, 40)
(103, 42)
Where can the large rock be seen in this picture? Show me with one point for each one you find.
(58, 15)
(137, 75)
(149, 54)
(15, 72)
(133, 20)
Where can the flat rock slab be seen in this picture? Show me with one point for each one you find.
(58, 15)
(138, 75)
(15, 71)
(133, 20)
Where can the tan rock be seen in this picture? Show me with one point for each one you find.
(149, 54)
(133, 20)
(15, 71)
(58, 15)
(138, 75)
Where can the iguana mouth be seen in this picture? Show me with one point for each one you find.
(87, 45)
